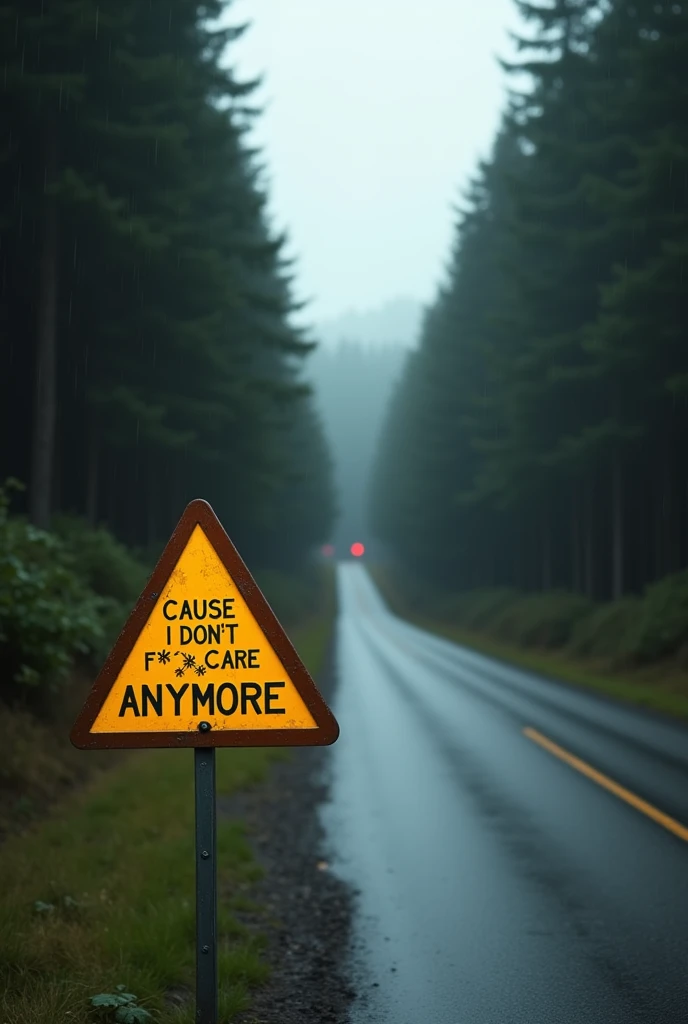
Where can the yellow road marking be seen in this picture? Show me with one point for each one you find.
(602, 780)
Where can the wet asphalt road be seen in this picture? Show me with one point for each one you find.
(498, 884)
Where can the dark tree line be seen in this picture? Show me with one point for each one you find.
(147, 352)
(539, 436)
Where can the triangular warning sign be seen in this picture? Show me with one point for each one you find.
(202, 661)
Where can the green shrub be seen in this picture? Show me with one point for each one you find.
(662, 629)
(633, 631)
(47, 614)
(450, 608)
(109, 569)
(608, 631)
(540, 620)
(105, 565)
(482, 607)
(120, 1006)
(527, 620)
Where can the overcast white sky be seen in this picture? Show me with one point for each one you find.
(376, 112)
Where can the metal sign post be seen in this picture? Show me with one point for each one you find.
(206, 885)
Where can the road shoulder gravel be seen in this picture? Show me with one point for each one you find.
(305, 910)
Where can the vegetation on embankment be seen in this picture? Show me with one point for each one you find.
(63, 597)
(101, 892)
(635, 649)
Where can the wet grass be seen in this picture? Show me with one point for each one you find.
(38, 764)
(100, 893)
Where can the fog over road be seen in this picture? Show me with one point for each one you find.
(499, 883)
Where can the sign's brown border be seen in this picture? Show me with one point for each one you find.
(199, 512)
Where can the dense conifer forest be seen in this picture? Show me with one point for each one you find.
(148, 352)
(539, 436)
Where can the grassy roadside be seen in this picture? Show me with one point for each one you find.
(661, 687)
(100, 893)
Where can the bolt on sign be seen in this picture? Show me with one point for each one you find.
(202, 660)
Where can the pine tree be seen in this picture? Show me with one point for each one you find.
(165, 343)
(637, 340)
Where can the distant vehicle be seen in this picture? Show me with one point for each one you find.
(357, 549)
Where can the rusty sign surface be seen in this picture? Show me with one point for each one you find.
(202, 660)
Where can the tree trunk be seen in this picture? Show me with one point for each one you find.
(660, 548)
(657, 560)
(150, 511)
(112, 485)
(575, 545)
(617, 531)
(684, 529)
(546, 555)
(92, 480)
(45, 395)
(588, 543)
(673, 513)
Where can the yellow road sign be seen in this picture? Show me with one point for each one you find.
(202, 660)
